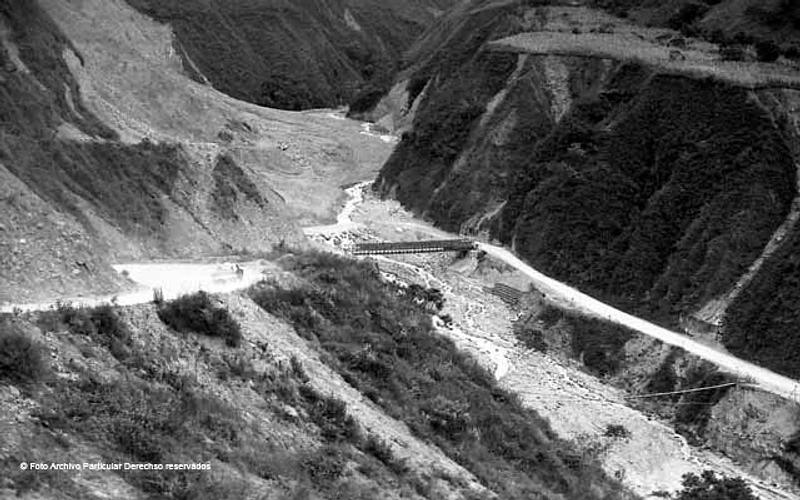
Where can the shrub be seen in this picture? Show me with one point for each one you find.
(708, 486)
(330, 415)
(101, 323)
(550, 315)
(767, 51)
(732, 53)
(617, 431)
(366, 99)
(196, 313)
(379, 449)
(21, 359)
(326, 465)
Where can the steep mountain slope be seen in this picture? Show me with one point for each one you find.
(271, 394)
(652, 189)
(293, 54)
(110, 152)
(734, 21)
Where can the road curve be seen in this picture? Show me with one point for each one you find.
(761, 377)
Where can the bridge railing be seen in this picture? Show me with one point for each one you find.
(414, 247)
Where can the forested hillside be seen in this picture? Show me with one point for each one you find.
(295, 54)
(652, 190)
(732, 22)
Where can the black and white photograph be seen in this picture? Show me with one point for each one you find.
(400, 249)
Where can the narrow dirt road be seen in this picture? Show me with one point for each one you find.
(578, 301)
(173, 279)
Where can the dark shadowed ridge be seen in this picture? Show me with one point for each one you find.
(295, 54)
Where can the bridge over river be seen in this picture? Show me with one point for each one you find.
(426, 246)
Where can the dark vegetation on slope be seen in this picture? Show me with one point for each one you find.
(197, 313)
(770, 27)
(152, 412)
(451, 109)
(294, 54)
(761, 324)
(22, 360)
(102, 324)
(709, 486)
(654, 193)
(679, 198)
(598, 344)
(382, 342)
(229, 181)
(124, 183)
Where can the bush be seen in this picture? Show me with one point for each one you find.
(366, 99)
(325, 465)
(101, 323)
(21, 359)
(378, 449)
(767, 51)
(708, 486)
(330, 415)
(196, 313)
(617, 431)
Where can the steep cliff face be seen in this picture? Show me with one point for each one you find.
(293, 54)
(651, 189)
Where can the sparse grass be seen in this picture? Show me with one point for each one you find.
(196, 313)
(22, 360)
(148, 424)
(422, 379)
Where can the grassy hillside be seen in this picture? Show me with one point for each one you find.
(381, 340)
(217, 382)
(165, 384)
(652, 191)
(293, 54)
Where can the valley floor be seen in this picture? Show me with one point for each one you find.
(578, 405)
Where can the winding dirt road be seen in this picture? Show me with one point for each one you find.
(765, 379)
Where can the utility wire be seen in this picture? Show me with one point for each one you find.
(697, 389)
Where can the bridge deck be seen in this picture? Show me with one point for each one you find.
(414, 247)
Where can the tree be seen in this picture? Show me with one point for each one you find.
(708, 486)
(732, 53)
(767, 51)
